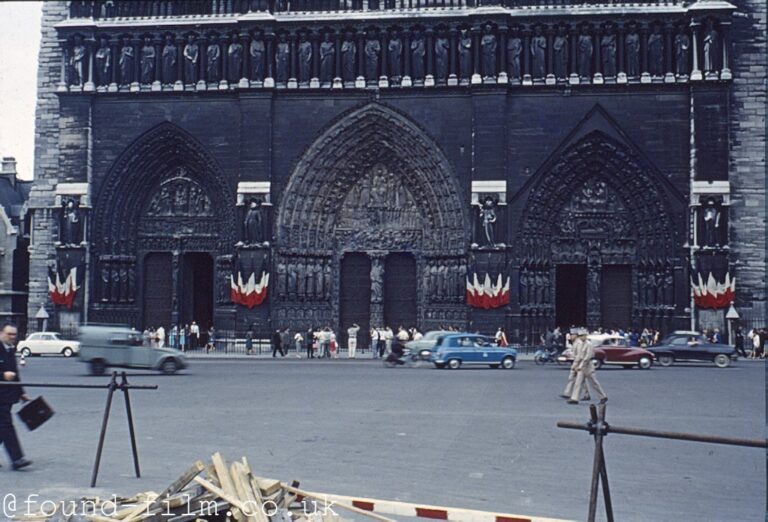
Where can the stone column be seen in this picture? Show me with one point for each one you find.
(224, 50)
(157, 42)
(176, 286)
(63, 85)
(725, 35)
(202, 78)
(361, 61)
(593, 296)
(695, 72)
(669, 66)
(383, 39)
(476, 76)
(180, 80)
(292, 62)
(90, 85)
(574, 77)
(269, 77)
(314, 37)
(645, 76)
(245, 40)
(597, 77)
(406, 80)
(550, 65)
(621, 71)
(503, 73)
(136, 84)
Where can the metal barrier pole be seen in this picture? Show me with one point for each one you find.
(124, 388)
(105, 420)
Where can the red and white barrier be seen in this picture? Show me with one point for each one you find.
(405, 509)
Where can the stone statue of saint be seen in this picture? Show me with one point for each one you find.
(488, 216)
(560, 49)
(170, 55)
(514, 50)
(538, 53)
(282, 279)
(656, 52)
(191, 59)
(418, 52)
(293, 280)
(234, 60)
(712, 224)
(327, 59)
(682, 44)
(465, 55)
(488, 47)
(257, 51)
(213, 60)
(608, 52)
(395, 56)
(127, 62)
(348, 58)
(103, 62)
(442, 60)
(77, 61)
(70, 225)
(254, 223)
(632, 46)
(282, 59)
(586, 49)
(305, 58)
(301, 278)
(148, 57)
(711, 47)
(372, 51)
(327, 279)
(377, 281)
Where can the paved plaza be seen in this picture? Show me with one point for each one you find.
(474, 438)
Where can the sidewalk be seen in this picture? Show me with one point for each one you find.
(365, 356)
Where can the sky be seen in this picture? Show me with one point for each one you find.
(19, 46)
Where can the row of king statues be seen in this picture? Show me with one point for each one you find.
(535, 51)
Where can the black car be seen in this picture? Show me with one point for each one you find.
(692, 346)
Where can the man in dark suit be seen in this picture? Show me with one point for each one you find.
(9, 395)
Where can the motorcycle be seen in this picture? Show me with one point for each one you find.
(403, 358)
(544, 356)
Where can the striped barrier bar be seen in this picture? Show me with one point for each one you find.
(406, 509)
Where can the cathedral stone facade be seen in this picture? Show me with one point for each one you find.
(253, 164)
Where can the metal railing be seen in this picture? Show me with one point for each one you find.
(107, 9)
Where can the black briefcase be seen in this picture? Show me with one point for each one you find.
(35, 413)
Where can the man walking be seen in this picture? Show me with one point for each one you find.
(9, 395)
(352, 340)
(277, 343)
(584, 352)
(573, 373)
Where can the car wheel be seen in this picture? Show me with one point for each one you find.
(26, 352)
(666, 360)
(169, 366)
(644, 363)
(539, 359)
(508, 363)
(722, 361)
(98, 367)
(454, 364)
(596, 363)
(67, 352)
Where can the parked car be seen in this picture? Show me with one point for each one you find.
(597, 340)
(103, 346)
(47, 343)
(692, 346)
(426, 344)
(453, 351)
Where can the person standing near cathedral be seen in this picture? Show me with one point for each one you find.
(10, 395)
(352, 340)
(160, 336)
(584, 352)
(194, 335)
(277, 343)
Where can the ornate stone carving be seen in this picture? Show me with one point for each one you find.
(305, 58)
(71, 223)
(234, 60)
(395, 56)
(538, 53)
(257, 51)
(560, 51)
(170, 57)
(488, 46)
(126, 62)
(442, 54)
(682, 45)
(191, 59)
(179, 196)
(656, 52)
(148, 57)
(465, 55)
(282, 59)
(418, 52)
(372, 52)
(77, 61)
(585, 52)
(632, 46)
(348, 58)
(711, 47)
(103, 61)
(608, 51)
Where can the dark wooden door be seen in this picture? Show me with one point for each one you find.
(355, 297)
(197, 289)
(158, 290)
(400, 291)
(571, 295)
(616, 296)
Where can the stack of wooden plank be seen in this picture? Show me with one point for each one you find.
(215, 492)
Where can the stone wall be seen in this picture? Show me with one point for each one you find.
(47, 158)
(747, 162)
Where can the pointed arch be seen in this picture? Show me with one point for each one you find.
(343, 154)
(152, 159)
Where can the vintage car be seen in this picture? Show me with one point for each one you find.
(102, 346)
(457, 349)
(424, 346)
(691, 347)
(614, 350)
(47, 343)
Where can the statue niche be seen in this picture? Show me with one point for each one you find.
(378, 201)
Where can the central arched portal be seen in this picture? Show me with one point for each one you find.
(370, 216)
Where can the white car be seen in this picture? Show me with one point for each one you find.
(47, 343)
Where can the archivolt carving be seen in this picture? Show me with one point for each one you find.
(598, 192)
(373, 180)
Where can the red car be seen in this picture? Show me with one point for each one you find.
(615, 351)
